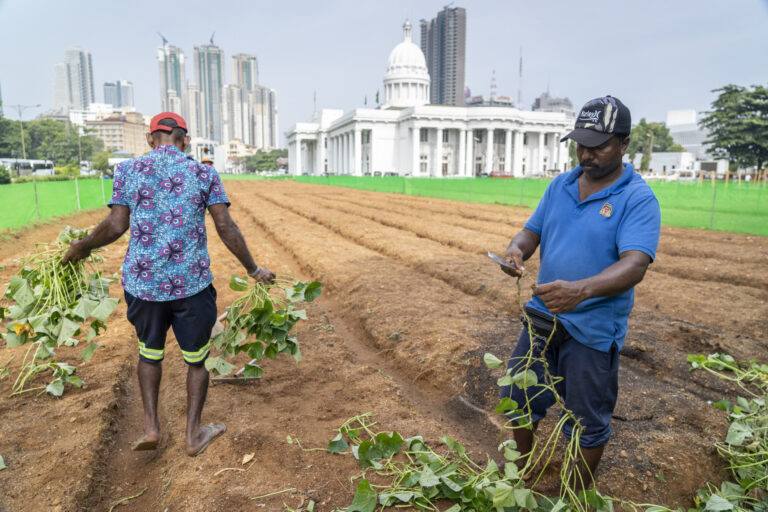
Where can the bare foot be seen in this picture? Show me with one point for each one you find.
(206, 435)
(146, 442)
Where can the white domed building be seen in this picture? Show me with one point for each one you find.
(407, 136)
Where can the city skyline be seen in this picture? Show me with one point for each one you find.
(659, 62)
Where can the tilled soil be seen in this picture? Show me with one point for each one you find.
(410, 305)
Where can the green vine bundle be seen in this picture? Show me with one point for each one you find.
(259, 323)
(52, 304)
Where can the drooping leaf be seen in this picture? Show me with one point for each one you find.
(365, 499)
(2, 463)
(389, 445)
(252, 370)
(506, 404)
(238, 283)
(87, 352)
(104, 309)
(491, 361)
(718, 504)
(218, 366)
(337, 444)
(56, 387)
(525, 379)
(738, 432)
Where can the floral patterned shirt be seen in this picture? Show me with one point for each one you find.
(168, 193)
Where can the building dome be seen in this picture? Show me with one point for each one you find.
(406, 82)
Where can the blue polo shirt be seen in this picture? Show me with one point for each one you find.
(580, 239)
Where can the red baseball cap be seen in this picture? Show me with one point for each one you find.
(155, 125)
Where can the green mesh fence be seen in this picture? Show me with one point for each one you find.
(736, 207)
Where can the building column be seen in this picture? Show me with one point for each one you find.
(517, 165)
(553, 163)
(336, 155)
(415, 150)
(507, 151)
(489, 151)
(358, 155)
(343, 148)
(298, 155)
(461, 168)
(470, 169)
(438, 167)
(540, 154)
(320, 153)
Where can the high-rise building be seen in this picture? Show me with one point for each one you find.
(546, 103)
(209, 76)
(175, 103)
(245, 71)
(170, 61)
(195, 117)
(237, 122)
(443, 41)
(118, 93)
(73, 80)
(263, 101)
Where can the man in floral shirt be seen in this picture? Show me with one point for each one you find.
(162, 197)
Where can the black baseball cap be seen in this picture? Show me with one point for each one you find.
(599, 120)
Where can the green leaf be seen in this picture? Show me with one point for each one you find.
(737, 433)
(365, 498)
(300, 314)
(252, 370)
(525, 379)
(85, 307)
(389, 445)
(75, 381)
(104, 309)
(87, 352)
(68, 330)
(14, 340)
(506, 404)
(717, 504)
(43, 352)
(312, 291)
(454, 508)
(368, 454)
(491, 361)
(502, 495)
(524, 498)
(23, 296)
(337, 444)
(218, 366)
(56, 387)
(428, 478)
(238, 283)
(2, 463)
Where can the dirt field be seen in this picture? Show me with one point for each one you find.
(410, 305)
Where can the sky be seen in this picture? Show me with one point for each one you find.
(654, 55)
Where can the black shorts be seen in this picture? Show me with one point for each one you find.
(192, 319)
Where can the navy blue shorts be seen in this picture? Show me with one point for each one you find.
(589, 386)
(192, 319)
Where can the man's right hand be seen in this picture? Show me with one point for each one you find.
(515, 256)
(264, 276)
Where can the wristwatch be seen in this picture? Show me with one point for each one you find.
(255, 272)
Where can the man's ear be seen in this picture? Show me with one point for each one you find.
(150, 140)
(186, 142)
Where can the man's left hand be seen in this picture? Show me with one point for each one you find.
(560, 296)
(77, 251)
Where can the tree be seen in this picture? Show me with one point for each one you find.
(5, 176)
(738, 125)
(264, 161)
(653, 136)
(572, 154)
(47, 137)
(101, 161)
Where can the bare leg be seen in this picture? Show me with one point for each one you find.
(524, 441)
(197, 388)
(149, 383)
(586, 470)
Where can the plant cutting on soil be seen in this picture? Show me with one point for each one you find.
(52, 305)
(259, 323)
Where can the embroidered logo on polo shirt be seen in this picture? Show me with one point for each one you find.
(606, 210)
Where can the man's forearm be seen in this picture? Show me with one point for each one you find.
(526, 242)
(232, 237)
(105, 233)
(616, 279)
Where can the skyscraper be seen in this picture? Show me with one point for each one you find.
(245, 71)
(237, 121)
(195, 117)
(119, 93)
(443, 41)
(170, 61)
(209, 76)
(263, 102)
(73, 80)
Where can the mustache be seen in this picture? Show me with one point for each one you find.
(587, 163)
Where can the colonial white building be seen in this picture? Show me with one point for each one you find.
(406, 136)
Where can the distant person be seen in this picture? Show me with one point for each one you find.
(597, 228)
(167, 279)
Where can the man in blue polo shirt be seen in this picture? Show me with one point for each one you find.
(597, 228)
